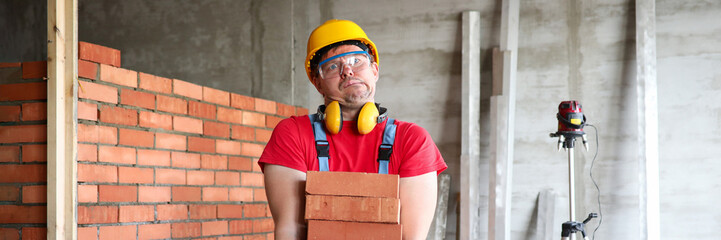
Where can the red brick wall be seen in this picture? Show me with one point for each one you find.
(23, 151)
(165, 158)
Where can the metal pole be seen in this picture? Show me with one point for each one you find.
(571, 186)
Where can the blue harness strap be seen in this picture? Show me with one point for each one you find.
(321, 143)
(322, 146)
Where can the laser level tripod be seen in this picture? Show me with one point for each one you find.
(570, 126)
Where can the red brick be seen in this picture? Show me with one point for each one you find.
(230, 211)
(254, 210)
(34, 194)
(185, 230)
(170, 141)
(255, 165)
(88, 111)
(118, 115)
(97, 214)
(97, 92)
(201, 110)
(236, 238)
(200, 177)
(153, 157)
(35, 153)
(285, 110)
(87, 193)
(227, 147)
(272, 121)
(9, 113)
(9, 193)
(216, 129)
(213, 162)
(172, 212)
(172, 104)
(137, 213)
(23, 91)
(155, 120)
(202, 211)
(251, 149)
(87, 70)
(251, 179)
(253, 119)
(10, 64)
(263, 225)
(155, 83)
(97, 134)
(353, 209)
(185, 160)
(138, 99)
(136, 138)
(215, 228)
(241, 194)
(153, 231)
(353, 230)
(215, 194)
(241, 226)
(9, 153)
(199, 144)
(97, 173)
(299, 111)
(33, 233)
(87, 233)
(227, 178)
(135, 175)
(112, 193)
(118, 76)
(240, 163)
(352, 184)
(259, 195)
(118, 232)
(242, 102)
(170, 176)
(216, 96)
(243, 133)
(112, 154)
(262, 135)
(23, 133)
(186, 194)
(9, 233)
(26, 173)
(266, 106)
(34, 111)
(87, 152)
(187, 89)
(22, 214)
(186, 124)
(37, 69)
(98, 54)
(230, 115)
(153, 194)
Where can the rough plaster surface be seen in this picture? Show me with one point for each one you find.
(23, 28)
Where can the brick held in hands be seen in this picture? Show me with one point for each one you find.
(352, 184)
(353, 230)
(354, 209)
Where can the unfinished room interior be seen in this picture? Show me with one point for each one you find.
(557, 119)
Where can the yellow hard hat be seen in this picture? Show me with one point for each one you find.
(333, 31)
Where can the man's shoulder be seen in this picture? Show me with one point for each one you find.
(409, 128)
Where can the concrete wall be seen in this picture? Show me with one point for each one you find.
(24, 28)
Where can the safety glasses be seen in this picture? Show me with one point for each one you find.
(333, 66)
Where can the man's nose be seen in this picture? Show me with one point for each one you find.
(346, 71)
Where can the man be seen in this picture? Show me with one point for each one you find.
(342, 64)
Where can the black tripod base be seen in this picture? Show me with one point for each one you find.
(570, 227)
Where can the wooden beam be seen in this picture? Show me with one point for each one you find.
(546, 213)
(647, 101)
(470, 139)
(438, 227)
(62, 121)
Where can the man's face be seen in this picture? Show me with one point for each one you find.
(348, 87)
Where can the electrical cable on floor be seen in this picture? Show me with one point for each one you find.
(600, 213)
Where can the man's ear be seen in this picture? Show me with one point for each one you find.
(376, 70)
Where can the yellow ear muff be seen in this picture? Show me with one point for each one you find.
(333, 117)
(367, 118)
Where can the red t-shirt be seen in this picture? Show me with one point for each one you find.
(292, 145)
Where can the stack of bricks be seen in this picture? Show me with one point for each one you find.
(345, 206)
(23, 144)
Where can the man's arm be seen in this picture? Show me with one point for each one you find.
(418, 204)
(285, 188)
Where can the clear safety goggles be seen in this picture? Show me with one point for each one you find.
(332, 67)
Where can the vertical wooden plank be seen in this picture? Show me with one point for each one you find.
(647, 99)
(62, 120)
(545, 226)
(438, 227)
(470, 139)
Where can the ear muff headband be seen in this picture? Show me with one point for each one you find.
(370, 115)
